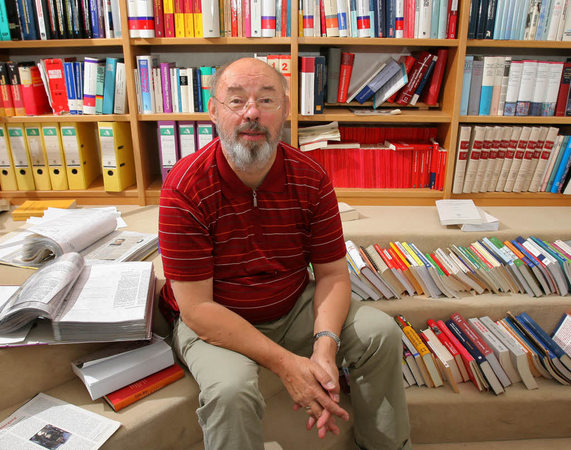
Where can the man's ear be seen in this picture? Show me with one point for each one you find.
(287, 106)
(212, 110)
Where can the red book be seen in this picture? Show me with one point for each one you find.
(345, 70)
(123, 397)
(561, 105)
(168, 18)
(450, 347)
(442, 169)
(284, 18)
(159, 19)
(452, 19)
(431, 92)
(469, 362)
(417, 73)
(16, 87)
(33, 91)
(402, 145)
(56, 84)
(409, 11)
(323, 20)
(408, 62)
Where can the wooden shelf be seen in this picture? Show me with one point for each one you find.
(445, 116)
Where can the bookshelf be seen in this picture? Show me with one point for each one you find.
(446, 118)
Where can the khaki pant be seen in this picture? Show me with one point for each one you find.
(230, 403)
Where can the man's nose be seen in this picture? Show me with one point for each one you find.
(251, 110)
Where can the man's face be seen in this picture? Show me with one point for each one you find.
(248, 128)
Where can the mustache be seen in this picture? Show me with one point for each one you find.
(252, 126)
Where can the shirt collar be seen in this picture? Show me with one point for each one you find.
(275, 180)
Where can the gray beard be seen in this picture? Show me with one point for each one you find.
(247, 158)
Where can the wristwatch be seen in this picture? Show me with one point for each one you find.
(330, 334)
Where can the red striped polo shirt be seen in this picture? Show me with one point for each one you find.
(255, 244)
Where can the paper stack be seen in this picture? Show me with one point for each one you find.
(465, 214)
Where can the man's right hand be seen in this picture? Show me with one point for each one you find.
(310, 387)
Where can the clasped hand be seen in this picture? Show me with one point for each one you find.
(313, 384)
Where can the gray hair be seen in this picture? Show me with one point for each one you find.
(220, 71)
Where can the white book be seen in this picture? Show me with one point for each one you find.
(539, 95)
(476, 142)
(256, 17)
(517, 158)
(399, 15)
(510, 152)
(119, 365)
(307, 82)
(500, 352)
(444, 361)
(514, 81)
(174, 90)
(116, 18)
(523, 177)
(556, 13)
(543, 131)
(190, 75)
(500, 63)
(211, 18)
(89, 84)
(184, 90)
(158, 90)
(120, 100)
(107, 19)
(40, 18)
(566, 35)
(144, 9)
(526, 87)
(532, 19)
(343, 18)
(132, 11)
(494, 161)
(330, 7)
(553, 82)
(562, 20)
(546, 150)
(482, 174)
(461, 158)
(424, 19)
(308, 12)
(363, 11)
(503, 136)
(504, 86)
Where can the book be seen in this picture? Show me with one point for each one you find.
(418, 70)
(358, 84)
(445, 360)
(89, 231)
(462, 374)
(307, 83)
(79, 300)
(36, 208)
(144, 387)
(455, 212)
(475, 85)
(561, 333)
(120, 364)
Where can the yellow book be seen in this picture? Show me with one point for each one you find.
(55, 156)
(80, 149)
(116, 155)
(179, 22)
(21, 157)
(7, 174)
(198, 28)
(188, 18)
(36, 208)
(38, 157)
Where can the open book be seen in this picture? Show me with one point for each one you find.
(85, 303)
(91, 232)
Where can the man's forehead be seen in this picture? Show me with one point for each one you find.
(233, 80)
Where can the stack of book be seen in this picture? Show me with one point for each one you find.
(343, 77)
(512, 159)
(123, 373)
(505, 86)
(538, 20)
(59, 20)
(531, 266)
(387, 19)
(63, 86)
(382, 157)
(36, 208)
(492, 355)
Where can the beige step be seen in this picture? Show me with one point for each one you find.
(520, 444)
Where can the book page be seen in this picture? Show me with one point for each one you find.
(52, 423)
(108, 293)
(121, 246)
(76, 231)
(42, 294)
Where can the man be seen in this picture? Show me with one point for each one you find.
(239, 223)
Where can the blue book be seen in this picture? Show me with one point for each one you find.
(488, 78)
(109, 86)
(422, 84)
(28, 20)
(78, 73)
(374, 16)
(198, 91)
(4, 24)
(386, 73)
(352, 17)
(177, 91)
(94, 16)
(434, 19)
(382, 25)
(70, 86)
(466, 84)
(562, 168)
(342, 18)
(555, 167)
(390, 18)
(527, 321)
(541, 32)
(499, 22)
(507, 28)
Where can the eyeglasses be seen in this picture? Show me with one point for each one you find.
(240, 105)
